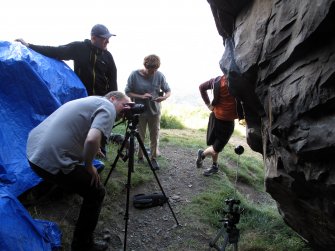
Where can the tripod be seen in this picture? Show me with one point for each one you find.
(232, 217)
(229, 229)
(131, 134)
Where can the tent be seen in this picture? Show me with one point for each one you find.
(32, 86)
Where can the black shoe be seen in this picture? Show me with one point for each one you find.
(154, 164)
(200, 159)
(96, 245)
(214, 169)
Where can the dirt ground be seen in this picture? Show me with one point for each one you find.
(153, 228)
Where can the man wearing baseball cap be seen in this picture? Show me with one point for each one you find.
(93, 63)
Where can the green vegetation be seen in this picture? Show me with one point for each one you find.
(170, 122)
(188, 116)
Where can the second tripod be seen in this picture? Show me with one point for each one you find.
(229, 230)
(131, 134)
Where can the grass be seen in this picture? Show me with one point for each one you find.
(262, 228)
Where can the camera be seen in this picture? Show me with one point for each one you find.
(132, 109)
(234, 210)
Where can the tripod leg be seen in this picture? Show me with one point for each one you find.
(212, 243)
(225, 242)
(117, 156)
(130, 170)
(140, 142)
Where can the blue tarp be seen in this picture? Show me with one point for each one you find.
(32, 86)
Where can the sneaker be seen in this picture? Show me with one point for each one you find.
(154, 164)
(140, 161)
(199, 160)
(214, 169)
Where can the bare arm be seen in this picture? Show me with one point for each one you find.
(91, 148)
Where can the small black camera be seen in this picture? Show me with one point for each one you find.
(135, 109)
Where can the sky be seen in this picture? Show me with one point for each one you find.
(181, 32)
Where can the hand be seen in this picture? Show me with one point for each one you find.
(159, 99)
(147, 96)
(210, 107)
(95, 176)
(100, 154)
(22, 41)
(242, 122)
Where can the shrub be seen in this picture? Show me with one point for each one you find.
(171, 122)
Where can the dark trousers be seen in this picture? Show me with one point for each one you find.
(79, 181)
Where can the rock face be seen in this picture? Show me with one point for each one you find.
(280, 61)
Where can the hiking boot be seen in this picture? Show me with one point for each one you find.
(200, 159)
(214, 169)
(155, 165)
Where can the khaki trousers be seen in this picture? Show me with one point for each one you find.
(153, 123)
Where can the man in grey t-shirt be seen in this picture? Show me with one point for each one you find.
(61, 149)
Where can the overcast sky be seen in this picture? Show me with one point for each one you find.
(181, 32)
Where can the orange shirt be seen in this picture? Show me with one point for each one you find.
(226, 107)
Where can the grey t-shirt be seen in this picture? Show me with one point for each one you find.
(140, 85)
(58, 142)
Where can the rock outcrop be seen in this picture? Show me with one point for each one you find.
(280, 61)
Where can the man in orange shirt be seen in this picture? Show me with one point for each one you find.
(224, 110)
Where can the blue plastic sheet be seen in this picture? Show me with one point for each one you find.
(18, 231)
(32, 86)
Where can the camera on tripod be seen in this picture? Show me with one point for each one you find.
(232, 216)
(131, 113)
(132, 110)
(229, 230)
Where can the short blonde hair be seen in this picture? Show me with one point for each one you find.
(152, 62)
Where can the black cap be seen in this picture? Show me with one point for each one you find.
(100, 30)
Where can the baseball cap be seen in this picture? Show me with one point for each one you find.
(100, 30)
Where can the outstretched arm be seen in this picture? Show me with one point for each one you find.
(63, 52)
